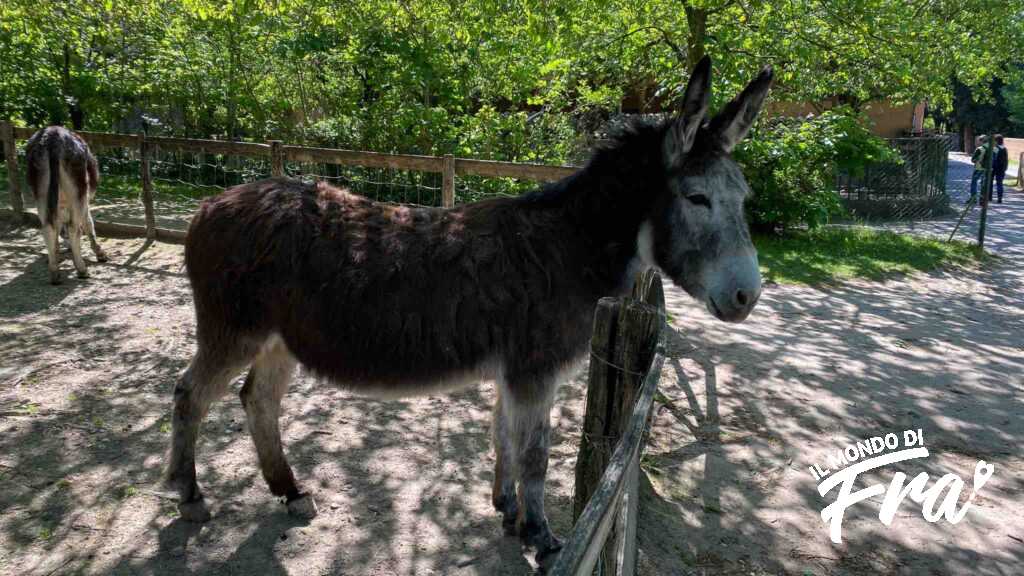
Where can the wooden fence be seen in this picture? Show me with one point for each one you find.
(625, 366)
(278, 153)
(1020, 171)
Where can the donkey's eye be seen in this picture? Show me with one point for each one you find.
(700, 200)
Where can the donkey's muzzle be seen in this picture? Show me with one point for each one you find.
(735, 306)
(734, 295)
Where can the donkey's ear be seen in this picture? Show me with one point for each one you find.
(680, 136)
(735, 120)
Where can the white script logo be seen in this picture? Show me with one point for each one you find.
(854, 459)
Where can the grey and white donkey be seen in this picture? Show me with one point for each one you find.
(63, 175)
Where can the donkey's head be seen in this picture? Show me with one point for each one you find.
(697, 233)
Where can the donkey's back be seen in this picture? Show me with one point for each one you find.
(377, 297)
(63, 175)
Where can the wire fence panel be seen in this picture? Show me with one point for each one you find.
(381, 184)
(936, 189)
(929, 188)
(471, 188)
(913, 189)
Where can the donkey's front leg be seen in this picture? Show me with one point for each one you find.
(527, 407)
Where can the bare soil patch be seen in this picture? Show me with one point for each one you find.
(87, 369)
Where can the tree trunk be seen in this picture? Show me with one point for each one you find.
(697, 20)
(75, 112)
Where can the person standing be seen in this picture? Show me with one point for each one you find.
(999, 165)
(979, 158)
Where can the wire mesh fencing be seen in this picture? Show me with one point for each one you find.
(380, 184)
(916, 187)
(472, 188)
(934, 188)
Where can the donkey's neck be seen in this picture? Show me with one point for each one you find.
(602, 208)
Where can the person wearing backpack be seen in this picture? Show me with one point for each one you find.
(999, 165)
(979, 158)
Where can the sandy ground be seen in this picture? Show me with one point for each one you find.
(87, 368)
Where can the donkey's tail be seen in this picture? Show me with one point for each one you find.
(53, 192)
(94, 174)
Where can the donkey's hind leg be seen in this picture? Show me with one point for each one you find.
(52, 248)
(90, 230)
(526, 403)
(503, 492)
(77, 193)
(205, 380)
(264, 388)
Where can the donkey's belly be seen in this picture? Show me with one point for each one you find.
(392, 363)
(420, 384)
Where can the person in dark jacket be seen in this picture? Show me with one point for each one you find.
(999, 166)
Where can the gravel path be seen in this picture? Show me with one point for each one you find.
(86, 371)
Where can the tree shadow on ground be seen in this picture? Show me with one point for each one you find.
(403, 486)
(812, 371)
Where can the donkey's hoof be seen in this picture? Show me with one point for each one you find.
(82, 274)
(56, 278)
(546, 556)
(302, 506)
(101, 257)
(194, 511)
(508, 525)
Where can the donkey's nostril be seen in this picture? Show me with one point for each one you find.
(741, 298)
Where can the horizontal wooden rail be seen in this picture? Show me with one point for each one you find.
(24, 133)
(370, 159)
(104, 228)
(210, 146)
(581, 551)
(493, 169)
(463, 166)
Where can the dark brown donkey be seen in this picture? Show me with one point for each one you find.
(399, 300)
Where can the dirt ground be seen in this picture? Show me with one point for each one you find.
(87, 369)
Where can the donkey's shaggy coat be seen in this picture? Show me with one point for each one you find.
(63, 175)
(395, 300)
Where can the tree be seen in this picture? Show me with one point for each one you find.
(512, 79)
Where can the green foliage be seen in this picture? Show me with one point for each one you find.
(792, 164)
(831, 254)
(499, 80)
(415, 75)
(1013, 99)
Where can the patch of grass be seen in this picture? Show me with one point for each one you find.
(831, 254)
(126, 491)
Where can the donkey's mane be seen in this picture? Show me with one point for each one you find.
(616, 183)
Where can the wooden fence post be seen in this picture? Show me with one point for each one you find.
(276, 158)
(448, 182)
(1020, 171)
(623, 344)
(11, 155)
(147, 187)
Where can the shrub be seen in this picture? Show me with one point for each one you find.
(792, 163)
